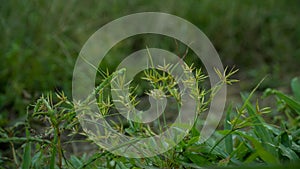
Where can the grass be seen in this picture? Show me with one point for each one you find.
(246, 139)
(41, 40)
(43, 37)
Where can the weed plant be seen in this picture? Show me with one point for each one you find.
(245, 139)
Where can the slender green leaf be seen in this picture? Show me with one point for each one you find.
(293, 104)
(53, 153)
(197, 159)
(261, 131)
(261, 151)
(27, 153)
(92, 159)
(227, 126)
(75, 161)
(288, 153)
(284, 139)
(251, 158)
(36, 160)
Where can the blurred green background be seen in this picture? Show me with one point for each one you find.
(40, 41)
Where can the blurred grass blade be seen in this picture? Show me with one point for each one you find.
(53, 153)
(27, 156)
(295, 85)
(227, 126)
(27, 153)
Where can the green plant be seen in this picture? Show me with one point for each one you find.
(41, 40)
(246, 138)
(58, 117)
(39, 43)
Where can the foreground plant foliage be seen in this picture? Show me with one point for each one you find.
(51, 136)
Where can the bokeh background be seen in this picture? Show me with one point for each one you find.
(40, 41)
